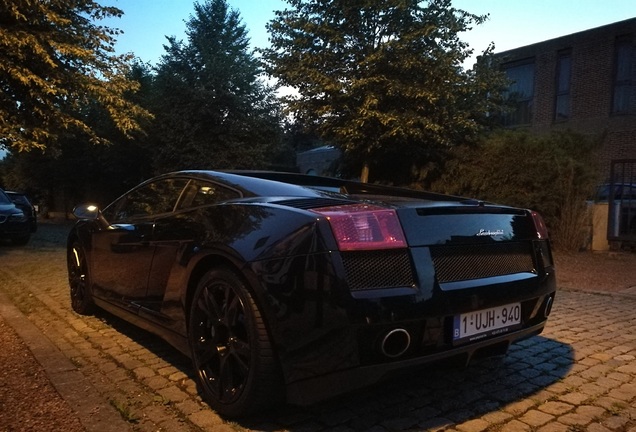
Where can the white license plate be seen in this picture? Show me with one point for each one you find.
(486, 322)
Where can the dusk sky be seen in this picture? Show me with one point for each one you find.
(512, 23)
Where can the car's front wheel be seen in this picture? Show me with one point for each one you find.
(81, 298)
(230, 348)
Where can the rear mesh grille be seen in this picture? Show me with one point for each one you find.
(457, 263)
(378, 269)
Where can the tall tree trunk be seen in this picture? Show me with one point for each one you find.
(364, 175)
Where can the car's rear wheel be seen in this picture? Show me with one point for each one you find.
(81, 298)
(231, 351)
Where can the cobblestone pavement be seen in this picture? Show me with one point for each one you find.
(580, 374)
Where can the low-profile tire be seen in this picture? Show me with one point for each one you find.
(78, 280)
(238, 373)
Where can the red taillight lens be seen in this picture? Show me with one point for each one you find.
(364, 227)
(539, 223)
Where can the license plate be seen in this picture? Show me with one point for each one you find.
(484, 323)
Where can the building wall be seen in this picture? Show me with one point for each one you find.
(591, 87)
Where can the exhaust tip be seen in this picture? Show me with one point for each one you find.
(548, 307)
(395, 343)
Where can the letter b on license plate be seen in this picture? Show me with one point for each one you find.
(484, 323)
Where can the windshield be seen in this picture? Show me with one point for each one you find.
(4, 199)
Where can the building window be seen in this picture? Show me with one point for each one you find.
(624, 100)
(562, 98)
(520, 92)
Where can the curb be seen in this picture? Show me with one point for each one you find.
(94, 413)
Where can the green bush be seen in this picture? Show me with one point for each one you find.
(554, 174)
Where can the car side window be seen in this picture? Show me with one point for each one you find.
(199, 193)
(153, 198)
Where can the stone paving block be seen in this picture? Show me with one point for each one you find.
(188, 407)
(477, 425)
(178, 376)
(629, 368)
(611, 405)
(496, 417)
(156, 382)
(555, 408)
(582, 416)
(543, 395)
(592, 389)
(626, 392)
(206, 419)
(400, 423)
(174, 425)
(597, 427)
(574, 398)
(514, 426)
(574, 381)
(554, 427)
(616, 422)
(520, 407)
(143, 372)
(173, 394)
(535, 418)
(436, 424)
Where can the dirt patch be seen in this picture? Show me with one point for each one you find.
(28, 401)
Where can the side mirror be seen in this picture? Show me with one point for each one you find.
(90, 212)
(87, 211)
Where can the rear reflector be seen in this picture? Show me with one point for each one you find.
(539, 223)
(364, 227)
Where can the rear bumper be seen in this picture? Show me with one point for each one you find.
(312, 390)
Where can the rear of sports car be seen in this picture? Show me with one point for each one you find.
(405, 283)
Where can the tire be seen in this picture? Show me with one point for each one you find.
(78, 280)
(237, 371)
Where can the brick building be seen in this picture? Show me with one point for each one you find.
(584, 82)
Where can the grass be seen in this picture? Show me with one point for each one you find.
(125, 411)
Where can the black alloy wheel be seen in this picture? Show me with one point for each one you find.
(231, 351)
(81, 298)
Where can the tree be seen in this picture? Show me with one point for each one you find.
(54, 63)
(212, 107)
(382, 78)
(78, 171)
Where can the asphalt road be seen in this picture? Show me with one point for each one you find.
(580, 374)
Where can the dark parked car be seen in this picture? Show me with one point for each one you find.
(14, 224)
(22, 202)
(291, 287)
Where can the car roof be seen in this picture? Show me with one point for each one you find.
(270, 183)
(249, 186)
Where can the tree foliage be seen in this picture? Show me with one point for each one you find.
(382, 77)
(79, 171)
(554, 174)
(54, 63)
(212, 107)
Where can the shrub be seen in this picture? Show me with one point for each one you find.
(554, 174)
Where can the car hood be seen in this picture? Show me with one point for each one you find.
(8, 209)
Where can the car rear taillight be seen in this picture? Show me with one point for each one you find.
(539, 224)
(364, 227)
